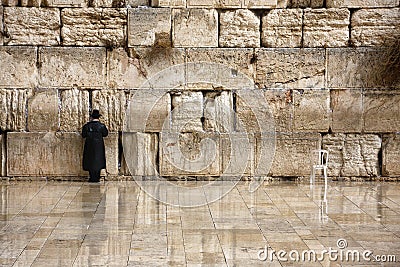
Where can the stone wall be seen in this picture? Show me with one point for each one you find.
(318, 65)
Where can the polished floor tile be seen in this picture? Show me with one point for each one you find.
(280, 224)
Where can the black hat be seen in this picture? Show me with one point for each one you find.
(95, 114)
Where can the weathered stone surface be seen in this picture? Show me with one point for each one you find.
(67, 3)
(355, 68)
(137, 3)
(187, 111)
(239, 28)
(372, 27)
(159, 111)
(292, 154)
(112, 105)
(111, 145)
(200, 24)
(280, 102)
(362, 3)
(149, 27)
(347, 111)
(218, 112)
(43, 111)
(140, 154)
(237, 58)
(12, 109)
(168, 3)
(2, 157)
(391, 155)
(260, 3)
(189, 154)
(1, 25)
(352, 154)
(237, 154)
(381, 111)
(307, 3)
(42, 154)
(311, 110)
(109, 3)
(32, 26)
(18, 65)
(72, 67)
(290, 68)
(326, 27)
(214, 4)
(282, 28)
(141, 65)
(74, 110)
(94, 26)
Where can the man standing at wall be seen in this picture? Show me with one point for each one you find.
(94, 156)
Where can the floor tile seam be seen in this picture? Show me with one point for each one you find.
(134, 223)
(213, 221)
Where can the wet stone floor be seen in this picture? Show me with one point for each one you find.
(281, 224)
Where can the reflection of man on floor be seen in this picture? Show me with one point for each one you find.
(94, 156)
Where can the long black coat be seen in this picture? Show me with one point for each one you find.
(94, 155)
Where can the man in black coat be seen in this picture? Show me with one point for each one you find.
(94, 156)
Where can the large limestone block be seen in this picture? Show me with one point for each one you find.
(43, 111)
(149, 27)
(1, 25)
(148, 111)
(200, 24)
(187, 111)
(112, 105)
(362, 3)
(239, 28)
(2, 156)
(18, 67)
(307, 3)
(238, 154)
(355, 68)
(13, 109)
(189, 154)
(218, 112)
(311, 110)
(168, 3)
(381, 111)
(347, 111)
(253, 113)
(32, 26)
(282, 28)
(111, 143)
(142, 67)
(72, 67)
(67, 3)
(113, 3)
(140, 154)
(94, 26)
(238, 58)
(373, 27)
(261, 3)
(74, 110)
(290, 68)
(137, 3)
(292, 154)
(280, 102)
(326, 27)
(391, 155)
(42, 154)
(214, 4)
(352, 154)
